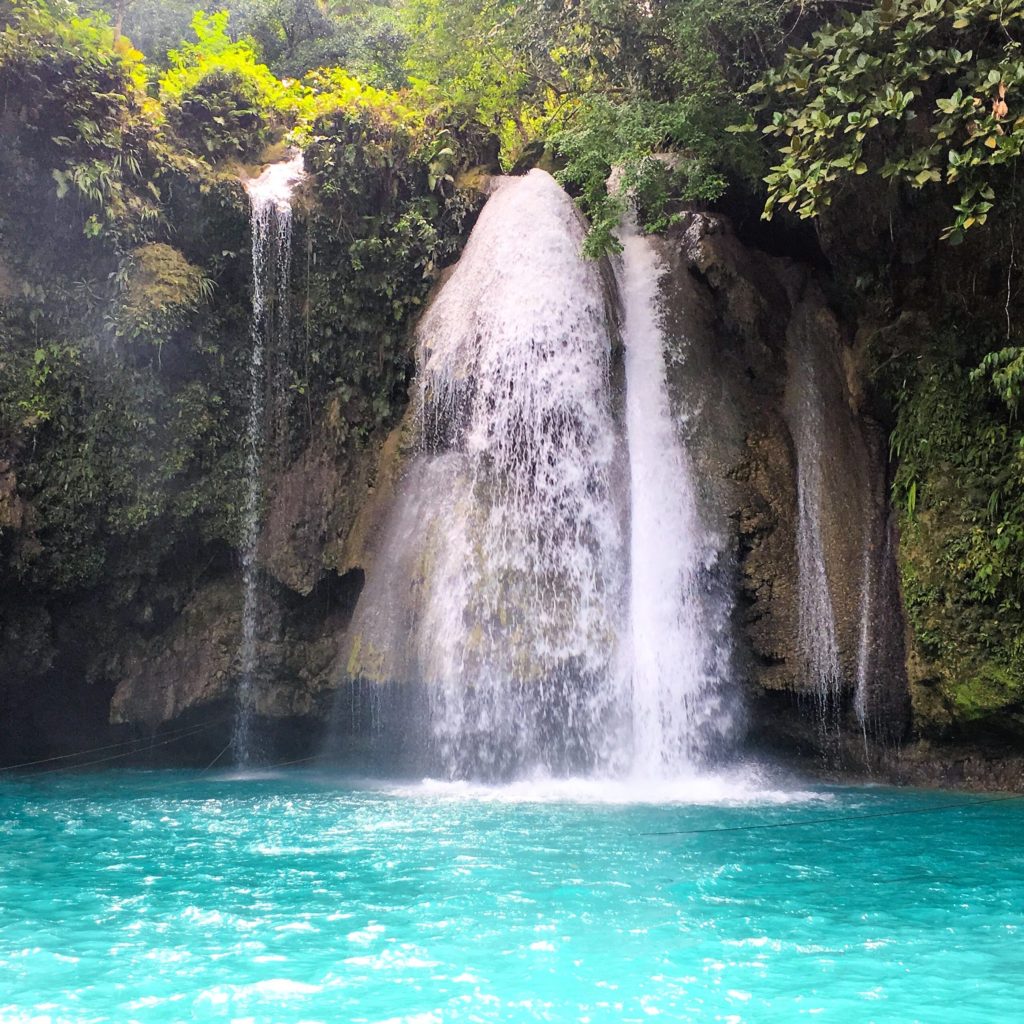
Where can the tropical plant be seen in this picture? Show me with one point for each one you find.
(218, 97)
(78, 100)
(920, 92)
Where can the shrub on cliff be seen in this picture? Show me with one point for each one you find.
(923, 94)
(75, 102)
(220, 100)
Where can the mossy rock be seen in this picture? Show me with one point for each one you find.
(161, 290)
(992, 690)
(366, 661)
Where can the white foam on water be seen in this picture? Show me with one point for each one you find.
(740, 787)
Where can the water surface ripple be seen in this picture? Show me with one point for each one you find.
(165, 897)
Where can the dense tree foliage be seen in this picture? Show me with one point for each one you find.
(914, 92)
(603, 82)
(124, 278)
(291, 36)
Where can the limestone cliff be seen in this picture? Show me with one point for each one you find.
(747, 327)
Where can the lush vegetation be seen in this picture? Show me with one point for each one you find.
(601, 83)
(960, 482)
(899, 130)
(894, 126)
(123, 278)
(915, 92)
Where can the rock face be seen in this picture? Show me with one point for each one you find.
(756, 342)
(308, 588)
(751, 335)
(313, 503)
(188, 667)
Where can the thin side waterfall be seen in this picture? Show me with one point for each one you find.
(819, 646)
(865, 641)
(270, 197)
(678, 658)
(880, 699)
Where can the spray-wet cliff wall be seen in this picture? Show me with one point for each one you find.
(788, 479)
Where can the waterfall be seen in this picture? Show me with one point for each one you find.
(865, 639)
(880, 699)
(270, 198)
(503, 583)
(519, 632)
(677, 655)
(817, 633)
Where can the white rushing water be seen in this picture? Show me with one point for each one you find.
(865, 639)
(506, 583)
(519, 630)
(270, 197)
(744, 785)
(880, 653)
(676, 656)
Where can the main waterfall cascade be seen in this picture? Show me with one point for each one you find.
(510, 521)
(519, 632)
(270, 199)
(541, 569)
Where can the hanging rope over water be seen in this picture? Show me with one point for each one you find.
(172, 736)
(165, 739)
(182, 733)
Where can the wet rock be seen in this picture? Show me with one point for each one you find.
(745, 326)
(196, 663)
(12, 508)
(27, 647)
(186, 668)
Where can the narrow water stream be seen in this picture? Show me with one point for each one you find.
(270, 199)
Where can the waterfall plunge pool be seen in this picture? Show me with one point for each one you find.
(287, 897)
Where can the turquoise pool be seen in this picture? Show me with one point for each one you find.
(298, 897)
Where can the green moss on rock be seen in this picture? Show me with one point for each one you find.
(160, 291)
(961, 549)
(991, 690)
